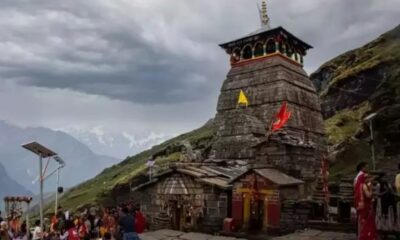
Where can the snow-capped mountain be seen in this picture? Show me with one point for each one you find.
(119, 145)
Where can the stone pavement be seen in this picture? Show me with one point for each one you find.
(166, 234)
(317, 235)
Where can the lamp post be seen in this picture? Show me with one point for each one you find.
(61, 164)
(42, 152)
(370, 119)
(150, 164)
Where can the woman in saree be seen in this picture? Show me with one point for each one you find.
(365, 209)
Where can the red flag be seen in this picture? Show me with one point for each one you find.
(282, 117)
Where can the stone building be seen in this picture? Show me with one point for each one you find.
(267, 65)
(257, 197)
(187, 197)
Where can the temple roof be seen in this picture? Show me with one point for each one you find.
(278, 177)
(273, 175)
(264, 32)
(209, 175)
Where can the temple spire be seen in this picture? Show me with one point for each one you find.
(265, 21)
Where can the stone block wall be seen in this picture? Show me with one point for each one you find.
(294, 215)
(267, 84)
(209, 204)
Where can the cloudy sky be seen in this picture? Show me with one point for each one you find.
(150, 69)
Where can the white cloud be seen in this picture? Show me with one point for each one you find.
(131, 139)
(99, 132)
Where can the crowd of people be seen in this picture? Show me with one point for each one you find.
(124, 222)
(369, 189)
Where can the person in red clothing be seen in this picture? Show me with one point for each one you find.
(140, 221)
(82, 228)
(366, 211)
(71, 232)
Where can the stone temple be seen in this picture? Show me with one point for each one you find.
(252, 178)
(267, 65)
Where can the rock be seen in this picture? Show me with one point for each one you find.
(355, 84)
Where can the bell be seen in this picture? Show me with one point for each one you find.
(60, 189)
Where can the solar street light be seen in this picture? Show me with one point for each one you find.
(61, 164)
(42, 152)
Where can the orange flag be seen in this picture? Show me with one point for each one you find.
(281, 118)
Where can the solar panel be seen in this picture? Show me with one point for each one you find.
(39, 149)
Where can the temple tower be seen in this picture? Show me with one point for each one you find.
(267, 65)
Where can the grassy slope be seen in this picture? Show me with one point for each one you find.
(385, 50)
(345, 123)
(96, 190)
(341, 128)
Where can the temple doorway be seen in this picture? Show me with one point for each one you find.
(257, 216)
(176, 214)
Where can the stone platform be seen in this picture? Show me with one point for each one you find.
(317, 235)
(167, 234)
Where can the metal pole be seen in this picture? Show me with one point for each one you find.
(27, 221)
(150, 172)
(58, 184)
(372, 144)
(7, 209)
(41, 193)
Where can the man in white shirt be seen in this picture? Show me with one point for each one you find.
(37, 232)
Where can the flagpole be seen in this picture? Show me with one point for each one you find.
(269, 130)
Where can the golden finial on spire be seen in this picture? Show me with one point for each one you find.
(264, 15)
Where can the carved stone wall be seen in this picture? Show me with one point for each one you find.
(268, 82)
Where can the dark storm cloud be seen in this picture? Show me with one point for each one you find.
(164, 52)
(97, 48)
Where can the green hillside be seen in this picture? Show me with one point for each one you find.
(353, 85)
(97, 191)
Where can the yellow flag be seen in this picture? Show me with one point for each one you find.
(243, 99)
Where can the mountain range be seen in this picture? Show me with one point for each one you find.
(116, 144)
(22, 166)
(10, 187)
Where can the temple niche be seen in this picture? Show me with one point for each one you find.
(267, 65)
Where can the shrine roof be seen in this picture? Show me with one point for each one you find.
(210, 175)
(224, 171)
(263, 32)
(273, 175)
(178, 185)
(278, 177)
